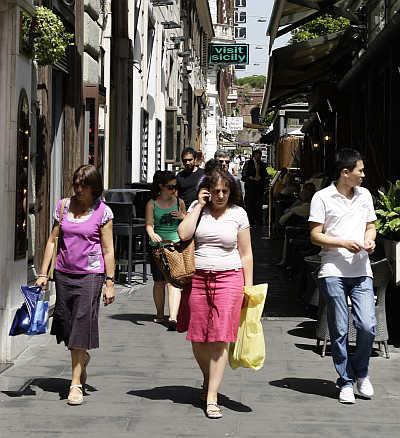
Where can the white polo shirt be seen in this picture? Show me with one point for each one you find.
(346, 219)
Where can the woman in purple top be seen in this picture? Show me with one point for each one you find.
(85, 261)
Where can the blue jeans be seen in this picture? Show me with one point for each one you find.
(335, 290)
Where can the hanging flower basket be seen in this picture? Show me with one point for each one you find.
(44, 37)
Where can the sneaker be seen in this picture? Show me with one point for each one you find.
(364, 387)
(347, 395)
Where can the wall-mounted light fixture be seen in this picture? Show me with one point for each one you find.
(162, 2)
(185, 53)
(327, 138)
(177, 38)
(315, 145)
(171, 25)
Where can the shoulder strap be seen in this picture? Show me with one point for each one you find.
(62, 208)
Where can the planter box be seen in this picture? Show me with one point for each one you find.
(392, 252)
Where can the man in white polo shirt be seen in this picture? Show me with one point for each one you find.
(342, 222)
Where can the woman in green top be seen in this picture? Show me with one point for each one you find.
(163, 215)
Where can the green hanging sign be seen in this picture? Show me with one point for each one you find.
(228, 53)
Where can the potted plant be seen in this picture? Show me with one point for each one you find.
(43, 36)
(388, 225)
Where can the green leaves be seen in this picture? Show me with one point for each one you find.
(388, 213)
(44, 36)
(323, 25)
(255, 81)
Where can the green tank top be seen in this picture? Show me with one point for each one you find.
(165, 225)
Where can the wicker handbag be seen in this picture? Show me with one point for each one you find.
(55, 249)
(176, 261)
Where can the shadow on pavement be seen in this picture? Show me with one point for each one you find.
(187, 395)
(45, 384)
(135, 318)
(324, 388)
(305, 329)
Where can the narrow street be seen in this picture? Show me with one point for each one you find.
(143, 380)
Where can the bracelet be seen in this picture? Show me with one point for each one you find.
(110, 278)
(42, 275)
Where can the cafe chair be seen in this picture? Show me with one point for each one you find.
(381, 270)
(130, 240)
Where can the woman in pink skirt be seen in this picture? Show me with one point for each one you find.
(224, 263)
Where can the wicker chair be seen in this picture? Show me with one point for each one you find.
(382, 275)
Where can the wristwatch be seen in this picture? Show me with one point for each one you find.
(110, 278)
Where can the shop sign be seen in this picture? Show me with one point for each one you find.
(234, 123)
(228, 54)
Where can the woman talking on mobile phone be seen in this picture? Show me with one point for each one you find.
(224, 264)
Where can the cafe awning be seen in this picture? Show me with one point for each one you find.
(288, 15)
(294, 69)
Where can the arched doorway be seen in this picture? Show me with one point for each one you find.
(22, 161)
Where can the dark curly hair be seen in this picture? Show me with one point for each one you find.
(212, 180)
(162, 177)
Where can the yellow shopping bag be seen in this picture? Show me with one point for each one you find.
(249, 349)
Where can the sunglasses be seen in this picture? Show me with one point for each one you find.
(224, 161)
(171, 186)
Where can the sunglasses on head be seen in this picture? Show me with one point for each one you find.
(171, 186)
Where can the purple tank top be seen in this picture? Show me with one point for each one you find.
(79, 249)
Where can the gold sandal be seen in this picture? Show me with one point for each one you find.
(75, 398)
(213, 410)
(84, 373)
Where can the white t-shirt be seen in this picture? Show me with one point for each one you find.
(347, 219)
(216, 239)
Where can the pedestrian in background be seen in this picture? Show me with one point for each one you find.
(224, 263)
(163, 215)
(188, 178)
(200, 160)
(254, 174)
(225, 160)
(84, 264)
(342, 222)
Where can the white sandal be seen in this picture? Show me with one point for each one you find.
(213, 410)
(75, 398)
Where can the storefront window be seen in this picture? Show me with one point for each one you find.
(21, 196)
(377, 19)
(394, 7)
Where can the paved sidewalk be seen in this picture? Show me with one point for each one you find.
(144, 383)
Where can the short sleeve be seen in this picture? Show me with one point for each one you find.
(243, 219)
(317, 210)
(107, 215)
(56, 215)
(192, 205)
(371, 210)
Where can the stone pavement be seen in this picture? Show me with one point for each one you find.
(143, 383)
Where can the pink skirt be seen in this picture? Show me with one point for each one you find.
(214, 302)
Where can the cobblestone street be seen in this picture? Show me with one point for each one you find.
(143, 381)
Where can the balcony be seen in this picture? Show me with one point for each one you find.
(223, 33)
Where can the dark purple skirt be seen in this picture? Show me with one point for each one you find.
(76, 312)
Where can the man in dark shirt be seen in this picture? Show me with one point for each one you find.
(188, 178)
(254, 176)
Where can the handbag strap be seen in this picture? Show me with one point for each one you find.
(62, 208)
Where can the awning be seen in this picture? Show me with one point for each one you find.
(288, 15)
(294, 69)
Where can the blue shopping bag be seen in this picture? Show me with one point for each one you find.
(32, 317)
(40, 318)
